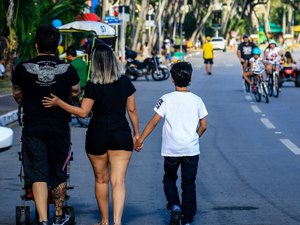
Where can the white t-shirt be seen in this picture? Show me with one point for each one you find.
(182, 112)
(257, 65)
(273, 54)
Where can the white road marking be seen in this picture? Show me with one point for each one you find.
(263, 114)
(255, 109)
(278, 132)
(2, 96)
(248, 97)
(291, 146)
(267, 123)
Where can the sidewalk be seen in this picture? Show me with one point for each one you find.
(8, 110)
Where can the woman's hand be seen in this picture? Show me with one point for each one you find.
(137, 144)
(50, 102)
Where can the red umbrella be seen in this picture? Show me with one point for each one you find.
(89, 17)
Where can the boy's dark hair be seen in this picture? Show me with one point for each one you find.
(71, 51)
(181, 73)
(47, 39)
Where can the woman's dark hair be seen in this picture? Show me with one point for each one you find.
(289, 57)
(47, 39)
(181, 73)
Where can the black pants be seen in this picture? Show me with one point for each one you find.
(189, 167)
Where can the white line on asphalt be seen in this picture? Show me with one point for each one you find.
(291, 146)
(263, 114)
(278, 132)
(255, 109)
(248, 97)
(267, 123)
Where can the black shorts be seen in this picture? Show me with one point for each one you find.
(45, 160)
(103, 135)
(248, 62)
(208, 61)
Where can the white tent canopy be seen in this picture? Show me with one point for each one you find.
(100, 29)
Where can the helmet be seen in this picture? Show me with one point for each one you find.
(208, 38)
(272, 42)
(245, 36)
(256, 51)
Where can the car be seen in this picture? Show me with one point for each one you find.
(6, 138)
(218, 43)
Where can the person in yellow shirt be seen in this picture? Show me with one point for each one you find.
(208, 55)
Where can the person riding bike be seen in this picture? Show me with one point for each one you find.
(244, 52)
(256, 63)
(272, 55)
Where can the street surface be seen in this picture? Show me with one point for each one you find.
(249, 165)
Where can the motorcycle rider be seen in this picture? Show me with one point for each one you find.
(244, 52)
(272, 55)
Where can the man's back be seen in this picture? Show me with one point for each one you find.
(40, 77)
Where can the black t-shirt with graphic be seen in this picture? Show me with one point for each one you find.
(246, 50)
(37, 78)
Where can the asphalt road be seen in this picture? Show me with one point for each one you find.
(248, 170)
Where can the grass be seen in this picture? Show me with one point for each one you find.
(5, 87)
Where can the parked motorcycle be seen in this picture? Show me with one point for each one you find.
(150, 66)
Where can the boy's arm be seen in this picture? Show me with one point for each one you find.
(147, 131)
(202, 128)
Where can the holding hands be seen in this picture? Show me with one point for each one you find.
(138, 145)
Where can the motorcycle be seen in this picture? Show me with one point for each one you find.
(150, 66)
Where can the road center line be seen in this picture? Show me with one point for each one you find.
(267, 123)
(291, 146)
(255, 109)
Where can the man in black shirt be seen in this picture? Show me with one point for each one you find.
(244, 52)
(46, 131)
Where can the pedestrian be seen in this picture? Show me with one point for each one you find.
(185, 122)
(208, 55)
(109, 142)
(145, 53)
(46, 132)
(78, 64)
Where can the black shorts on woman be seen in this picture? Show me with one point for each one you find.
(108, 128)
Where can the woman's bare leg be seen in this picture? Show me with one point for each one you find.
(118, 160)
(100, 167)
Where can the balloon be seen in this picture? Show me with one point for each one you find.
(56, 23)
(60, 49)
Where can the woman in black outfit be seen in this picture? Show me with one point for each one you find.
(108, 139)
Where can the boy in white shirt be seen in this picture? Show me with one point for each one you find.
(184, 114)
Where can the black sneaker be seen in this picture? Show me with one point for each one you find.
(175, 215)
(61, 220)
(43, 223)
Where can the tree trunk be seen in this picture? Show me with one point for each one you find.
(142, 13)
(9, 65)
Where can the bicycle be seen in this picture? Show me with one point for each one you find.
(273, 83)
(260, 88)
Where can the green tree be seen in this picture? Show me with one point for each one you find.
(20, 20)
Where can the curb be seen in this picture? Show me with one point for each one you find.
(8, 118)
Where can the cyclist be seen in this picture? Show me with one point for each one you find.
(244, 52)
(256, 64)
(272, 55)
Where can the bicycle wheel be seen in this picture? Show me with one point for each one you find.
(265, 92)
(270, 85)
(257, 94)
(275, 86)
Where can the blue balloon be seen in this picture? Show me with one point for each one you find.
(56, 23)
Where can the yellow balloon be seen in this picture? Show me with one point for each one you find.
(60, 49)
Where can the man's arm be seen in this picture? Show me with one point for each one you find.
(17, 94)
